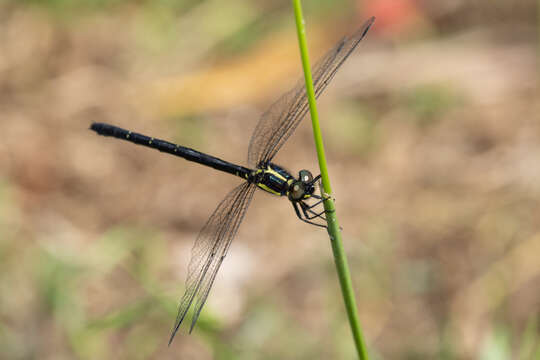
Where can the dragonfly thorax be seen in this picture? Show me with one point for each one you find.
(276, 180)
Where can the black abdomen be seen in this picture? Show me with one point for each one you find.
(170, 148)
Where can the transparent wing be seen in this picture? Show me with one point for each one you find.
(282, 118)
(209, 251)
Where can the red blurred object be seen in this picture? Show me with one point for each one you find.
(394, 17)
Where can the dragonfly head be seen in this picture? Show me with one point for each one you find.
(303, 187)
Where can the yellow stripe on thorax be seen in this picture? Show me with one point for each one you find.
(266, 188)
(271, 171)
(275, 173)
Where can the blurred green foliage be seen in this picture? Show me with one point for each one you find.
(82, 6)
(354, 129)
(429, 102)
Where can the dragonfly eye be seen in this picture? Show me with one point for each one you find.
(305, 176)
(297, 191)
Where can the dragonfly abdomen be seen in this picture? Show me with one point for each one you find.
(170, 148)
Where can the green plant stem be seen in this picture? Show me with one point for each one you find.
(334, 232)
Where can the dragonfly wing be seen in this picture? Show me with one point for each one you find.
(282, 118)
(210, 249)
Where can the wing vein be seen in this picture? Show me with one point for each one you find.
(210, 249)
(282, 118)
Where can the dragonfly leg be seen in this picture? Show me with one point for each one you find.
(307, 209)
(318, 197)
(315, 204)
(315, 179)
(306, 220)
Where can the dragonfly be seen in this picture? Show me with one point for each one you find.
(275, 126)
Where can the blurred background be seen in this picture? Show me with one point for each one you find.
(432, 135)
